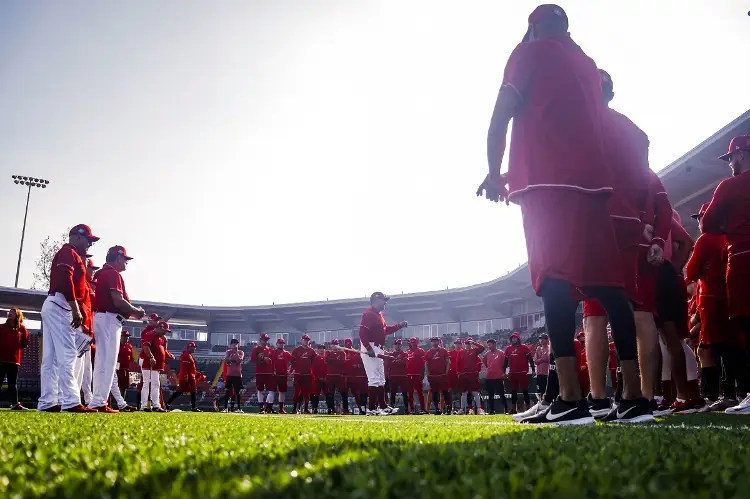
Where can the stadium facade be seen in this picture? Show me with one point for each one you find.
(504, 304)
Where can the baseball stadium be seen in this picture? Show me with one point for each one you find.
(319, 455)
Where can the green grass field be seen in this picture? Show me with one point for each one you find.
(226, 455)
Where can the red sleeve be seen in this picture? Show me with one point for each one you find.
(662, 212)
(392, 329)
(685, 244)
(368, 323)
(480, 349)
(715, 217)
(64, 265)
(111, 282)
(694, 268)
(520, 68)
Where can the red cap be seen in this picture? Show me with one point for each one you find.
(191, 344)
(321, 345)
(348, 341)
(124, 333)
(119, 250)
(154, 317)
(739, 143)
(518, 335)
(701, 212)
(90, 264)
(264, 336)
(543, 13)
(414, 340)
(305, 337)
(397, 342)
(280, 340)
(85, 231)
(164, 325)
(335, 341)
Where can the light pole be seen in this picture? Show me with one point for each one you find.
(29, 182)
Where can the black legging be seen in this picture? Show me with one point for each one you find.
(177, 394)
(495, 387)
(553, 385)
(541, 383)
(436, 399)
(735, 364)
(11, 372)
(236, 383)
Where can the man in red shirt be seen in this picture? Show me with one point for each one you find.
(121, 381)
(264, 378)
(372, 333)
(153, 360)
(187, 377)
(13, 339)
(356, 377)
(469, 365)
(335, 377)
(85, 372)
(494, 361)
(62, 318)
(454, 353)
(559, 174)
(281, 359)
(151, 323)
(397, 378)
(729, 214)
(518, 359)
(320, 373)
(302, 363)
(415, 363)
(111, 308)
(438, 366)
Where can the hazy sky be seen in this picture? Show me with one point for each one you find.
(252, 152)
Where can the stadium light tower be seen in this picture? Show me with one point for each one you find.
(26, 182)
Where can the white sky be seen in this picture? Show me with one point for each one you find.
(252, 152)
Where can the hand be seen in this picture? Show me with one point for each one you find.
(370, 352)
(404, 324)
(648, 232)
(655, 255)
(138, 313)
(77, 318)
(494, 188)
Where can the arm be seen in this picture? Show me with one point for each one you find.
(531, 362)
(394, 328)
(715, 218)
(123, 305)
(24, 336)
(508, 100)
(694, 268)
(684, 245)
(505, 363)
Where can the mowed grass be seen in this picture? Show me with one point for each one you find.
(225, 455)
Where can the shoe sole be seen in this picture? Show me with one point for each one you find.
(599, 413)
(744, 410)
(573, 422)
(645, 418)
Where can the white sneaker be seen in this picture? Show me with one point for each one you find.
(741, 408)
(391, 411)
(481, 412)
(225, 411)
(376, 412)
(722, 404)
(533, 411)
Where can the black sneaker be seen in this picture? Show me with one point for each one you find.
(195, 409)
(563, 413)
(631, 411)
(599, 408)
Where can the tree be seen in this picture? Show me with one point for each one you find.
(47, 250)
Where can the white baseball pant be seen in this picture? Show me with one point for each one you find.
(59, 384)
(87, 377)
(374, 366)
(79, 370)
(691, 363)
(115, 391)
(150, 383)
(107, 329)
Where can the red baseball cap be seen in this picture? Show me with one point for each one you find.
(305, 337)
(280, 340)
(124, 333)
(701, 212)
(413, 340)
(191, 344)
(321, 345)
(739, 143)
(154, 317)
(397, 341)
(544, 12)
(264, 336)
(348, 341)
(164, 325)
(377, 295)
(335, 341)
(85, 231)
(119, 250)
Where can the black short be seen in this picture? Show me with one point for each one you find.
(671, 296)
(234, 382)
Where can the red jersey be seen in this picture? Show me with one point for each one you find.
(125, 355)
(557, 137)
(682, 244)
(302, 359)
(729, 213)
(319, 367)
(158, 346)
(517, 356)
(353, 365)
(373, 329)
(68, 274)
(398, 364)
(335, 362)
(13, 340)
(454, 355)
(708, 264)
(415, 361)
(437, 360)
(108, 279)
(469, 361)
(281, 360)
(188, 369)
(261, 355)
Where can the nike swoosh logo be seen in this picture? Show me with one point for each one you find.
(623, 414)
(553, 417)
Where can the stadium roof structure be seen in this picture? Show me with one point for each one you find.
(689, 180)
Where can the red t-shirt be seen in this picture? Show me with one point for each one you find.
(13, 339)
(353, 366)
(373, 329)
(108, 279)
(729, 213)
(319, 368)
(708, 263)
(302, 359)
(335, 361)
(557, 138)
(68, 274)
(415, 360)
(261, 355)
(469, 361)
(125, 355)
(188, 369)
(398, 364)
(436, 361)
(281, 359)
(517, 358)
(454, 355)
(157, 344)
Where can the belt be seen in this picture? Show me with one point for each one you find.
(121, 319)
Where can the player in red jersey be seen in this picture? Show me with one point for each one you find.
(187, 378)
(13, 339)
(336, 381)
(438, 366)
(518, 359)
(397, 378)
(319, 378)
(559, 174)
(121, 381)
(356, 377)
(302, 362)
(415, 364)
(469, 365)
(729, 214)
(454, 352)
(264, 378)
(281, 359)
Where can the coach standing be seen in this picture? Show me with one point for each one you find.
(111, 308)
(372, 333)
(61, 318)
